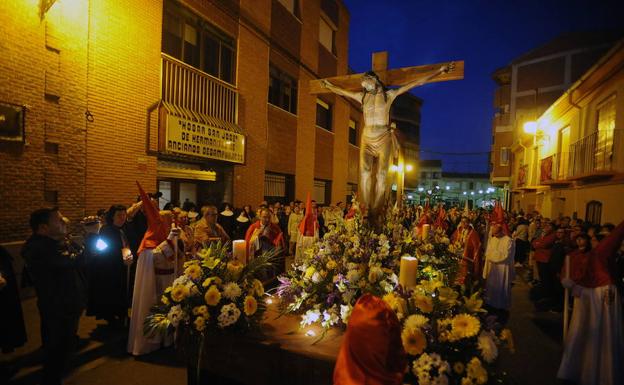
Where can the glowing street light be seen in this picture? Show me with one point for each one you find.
(465, 193)
(421, 189)
(530, 127)
(409, 168)
(480, 191)
(448, 187)
(394, 168)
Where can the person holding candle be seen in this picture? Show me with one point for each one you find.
(594, 343)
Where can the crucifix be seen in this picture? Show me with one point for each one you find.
(379, 142)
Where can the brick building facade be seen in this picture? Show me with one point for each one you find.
(99, 82)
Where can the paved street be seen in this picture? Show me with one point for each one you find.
(102, 358)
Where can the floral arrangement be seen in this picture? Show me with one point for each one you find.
(352, 260)
(215, 293)
(447, 336)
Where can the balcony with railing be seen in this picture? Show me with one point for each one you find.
(600, 154)
(555, 169)
(196, 92)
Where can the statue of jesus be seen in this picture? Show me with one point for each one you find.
(378, 139)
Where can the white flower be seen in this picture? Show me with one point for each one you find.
(316, 277)
(229, 315)
(487, 346)
(345, 313)
(422, 369)
(175, 315)
(231, 291)
(181, 280)
(310, 317)
(330, 317)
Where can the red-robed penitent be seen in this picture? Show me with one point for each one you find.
(272, 233)
(471, 261)
(371, 352)
(157, 229)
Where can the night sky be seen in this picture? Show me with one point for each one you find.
(457, 116)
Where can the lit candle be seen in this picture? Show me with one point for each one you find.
(239, 252)
(408, 272)
(425, 231)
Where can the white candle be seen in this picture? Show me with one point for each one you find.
(425, 231)
(408, 272)
(239, 251)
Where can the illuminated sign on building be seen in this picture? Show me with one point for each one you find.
(201, 140)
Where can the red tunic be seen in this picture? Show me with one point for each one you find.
(273, 234)
(593, 268)
(542, 247)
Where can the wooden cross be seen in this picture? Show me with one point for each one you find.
(390, 77)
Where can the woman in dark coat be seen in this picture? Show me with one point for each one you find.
(12, 330)
(108, 271)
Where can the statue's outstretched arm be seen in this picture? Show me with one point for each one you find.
(419, 82)
(357, 96)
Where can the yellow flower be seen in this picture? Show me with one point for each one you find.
(474, 303)
(211, 280)
(250, 305)
(444, 333)
(201, 310)
(331, 265)
(212, 296)
(465, 326)
(476, 371)
(431, 285)
(168, 289)
(235, 269)
(164, 300)
(467, 381)
(423, 302)
(397, 304)
(179, 292)
(447, 296)
(193, 271)
(508, 337)
(257, 287)
(200, 323)
(309, 272)
(414, 341)
(416, 321)
(459, 367)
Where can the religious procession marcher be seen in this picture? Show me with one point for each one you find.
(56, 265)
(262, 236)
(308, 233)
(467, 238)
(498, 270)
(293, 227)
(594, 343)
(108, 270)
(371, 352)
(226, 219)
(242, 224)
(154, 273)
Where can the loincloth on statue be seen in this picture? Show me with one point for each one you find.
(375, 139)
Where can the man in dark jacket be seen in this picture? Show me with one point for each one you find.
(56, 267)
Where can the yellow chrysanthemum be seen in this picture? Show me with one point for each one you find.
(459, 367)
(414, 341)
(257, 287)
(179, 292)
(465, 326)
(164, 300)
(508, 338)
(416, 321)
(309, 272)
(201, 310)
(212, 296)
(193, 271)
(331, 265)
(476, 371)
(200, 323)
(235, 269)
(251, 305)
(431, 285)
(424, 303)
(396, 303)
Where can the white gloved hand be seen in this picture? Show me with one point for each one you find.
(174, 233)
(567, 283)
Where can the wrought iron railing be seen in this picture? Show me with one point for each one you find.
(190, 88)
(599, 152)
